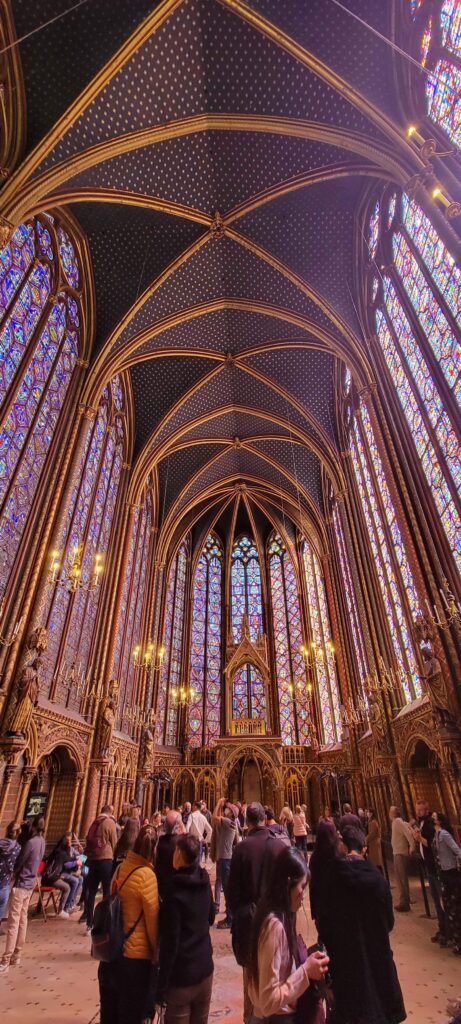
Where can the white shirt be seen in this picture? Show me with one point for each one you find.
(199, 827)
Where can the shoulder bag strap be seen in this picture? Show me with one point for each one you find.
(130, 931)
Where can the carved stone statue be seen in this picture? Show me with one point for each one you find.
(107, 714)
(148, 747)
(38, 640)
(433, 677)
(377, 725)
(26, 693)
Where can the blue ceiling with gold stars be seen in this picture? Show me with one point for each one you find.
(215, 154)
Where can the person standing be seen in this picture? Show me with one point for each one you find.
(9, 853)
(198, 826)
(277, 978)
(403, 845)
(349, 819)
(251, 865)
(166, 845)
(205, 845)
(373, 841)
(448, 857)
(286, 819)
(125, 842)
(424, 836)
(300, 830)
(186, 961)
(354, 920)
(25, 874)
(223, 840)
(100, 846)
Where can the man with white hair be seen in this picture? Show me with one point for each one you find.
(173, 827)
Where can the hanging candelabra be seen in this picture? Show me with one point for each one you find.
(181, 695)
(149, 657)
(451, 613)
(71, 578)
(8, 640)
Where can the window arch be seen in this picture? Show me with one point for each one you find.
(351, 599)
(204, 716)
(294, 700)
(133, 609)
(172, 666)
(417, 315)
(87, 522)
(40, 339)
(394, 573)
(322, 647)
(441, 55)
(248, 693)
(246, 589)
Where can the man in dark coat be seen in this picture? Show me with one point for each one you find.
(354, 922)
(165, 849)
(349, 820)
(251, 863)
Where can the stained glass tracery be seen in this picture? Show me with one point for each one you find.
(39, 346)
(246, 589)
(204, 713)
(421, 258)
(351, 599)
(292, 683)
(248, 693)
(167, 718)
(322, 651)
(441, 53)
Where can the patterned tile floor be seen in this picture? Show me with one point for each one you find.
(56, 983)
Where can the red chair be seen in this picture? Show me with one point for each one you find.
(45, 893)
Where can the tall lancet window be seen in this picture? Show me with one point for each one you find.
(40, 319)
(417, 309)
(389, 554)
(323, 657)
(133, 611)
(246, 589)
(248, 693)
(87, 522)
(172, 665)
(441, 55)
(292, 684)
(204, 716)
(351, 600)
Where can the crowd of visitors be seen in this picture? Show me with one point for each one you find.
(154, 869)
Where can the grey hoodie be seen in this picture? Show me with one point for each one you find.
(9, 852)
(26, 868)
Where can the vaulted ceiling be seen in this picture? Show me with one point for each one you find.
(215, 154)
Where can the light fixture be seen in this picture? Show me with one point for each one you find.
(71, 579)
(182, 694)
(452, 608)
(146, 659)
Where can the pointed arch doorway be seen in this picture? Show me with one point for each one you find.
(251, 780)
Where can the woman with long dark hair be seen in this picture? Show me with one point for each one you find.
(327, 848)
(448, 859)
(277, 979)
(126, 841)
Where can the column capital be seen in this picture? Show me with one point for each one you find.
(87, 411)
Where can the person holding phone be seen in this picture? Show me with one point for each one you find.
(277, 977)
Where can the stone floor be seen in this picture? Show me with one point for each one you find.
(56, 983)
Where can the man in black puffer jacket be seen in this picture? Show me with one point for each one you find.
(186, 961)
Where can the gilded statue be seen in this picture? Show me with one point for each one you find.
(432, 675)
(26, 693)
(107, 715)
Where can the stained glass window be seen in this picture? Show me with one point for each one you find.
(321, 649)
(132, 611)
(441, 52)
(86, 523)
(292, 684)
(426, 282)
(246, 589)
(373, 234)
(351, 599)
(248, 693)
(204, 713)
(39, 346)
(390, 557)
(168, 703)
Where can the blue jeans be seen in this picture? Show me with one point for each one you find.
(75, 882)
(4, 898)
(222, 877)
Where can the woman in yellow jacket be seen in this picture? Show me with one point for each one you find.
(140, 906)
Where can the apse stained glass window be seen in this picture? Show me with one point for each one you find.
(248, 693)
(321, 649)
(292, 684)
(86, 526)
(204, 711)
(39, 346)
(246, 589)
(441, 54)
(351, 601)
(389, 554)
(425, 279)
(132, 612)
(171, 680)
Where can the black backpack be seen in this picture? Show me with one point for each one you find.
(107, 935)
